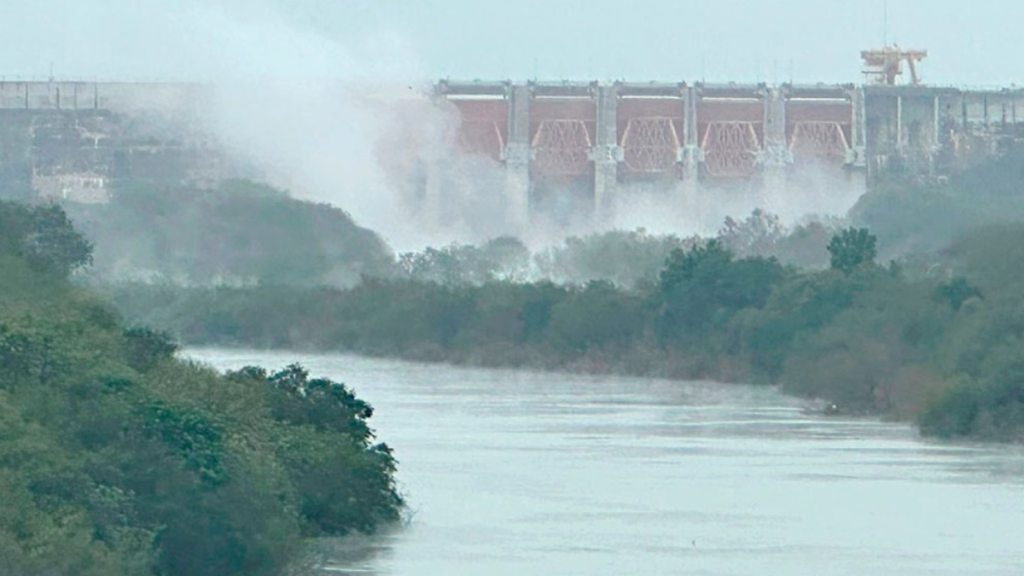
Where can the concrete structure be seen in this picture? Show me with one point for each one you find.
(576, 144)
(914, 131)
(592, 140)
(76, 140)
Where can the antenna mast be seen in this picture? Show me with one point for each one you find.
(885, 23)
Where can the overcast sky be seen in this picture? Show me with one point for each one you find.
(970, 43)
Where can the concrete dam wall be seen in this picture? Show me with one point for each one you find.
(77, 141)
(599, 138)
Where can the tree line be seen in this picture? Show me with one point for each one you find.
(116, 458)
(865, 336)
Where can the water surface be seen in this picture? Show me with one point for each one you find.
(521, 473)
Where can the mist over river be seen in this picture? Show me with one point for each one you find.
(522, 473)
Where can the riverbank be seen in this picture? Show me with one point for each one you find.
(865, 337)
(523, 472)
(116, 459)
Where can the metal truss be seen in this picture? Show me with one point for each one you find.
(730, 149)
(651, 145)
(819, 142)
(561, 147)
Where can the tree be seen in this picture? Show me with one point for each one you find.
(956, 292)
(144, 347)
(55, 243)
(598, 316)
(703, 287)
(318, 402)
(683, 266)
(626, 259)
(852, 248)
(238, 233)
(756, 236)
(44, 236)
(344, 480)
(118, 460)
(455, 264)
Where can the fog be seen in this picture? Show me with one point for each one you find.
(354, 126)
(390, 157)
(346, 119)
(671, 373)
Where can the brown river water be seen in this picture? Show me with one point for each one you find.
(524, 473)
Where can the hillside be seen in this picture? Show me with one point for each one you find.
(116, 458)
(238, 234)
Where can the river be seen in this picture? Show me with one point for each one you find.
(523, 473)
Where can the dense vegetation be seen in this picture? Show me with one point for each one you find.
(118, 459)
(248, 234)
(626, 259)
(922, 218)
(931, 334)
(708, 313)
(935, 336)
(238, 234)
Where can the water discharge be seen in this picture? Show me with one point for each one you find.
(512, 473)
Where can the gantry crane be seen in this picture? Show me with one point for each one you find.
(885, 66)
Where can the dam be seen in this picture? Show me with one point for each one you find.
(589, 140)
(600, 137)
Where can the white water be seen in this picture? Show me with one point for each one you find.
(514, 473)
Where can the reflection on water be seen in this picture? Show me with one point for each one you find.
(523, 473)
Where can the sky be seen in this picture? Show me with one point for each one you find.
(284, 72)
(970, 44)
